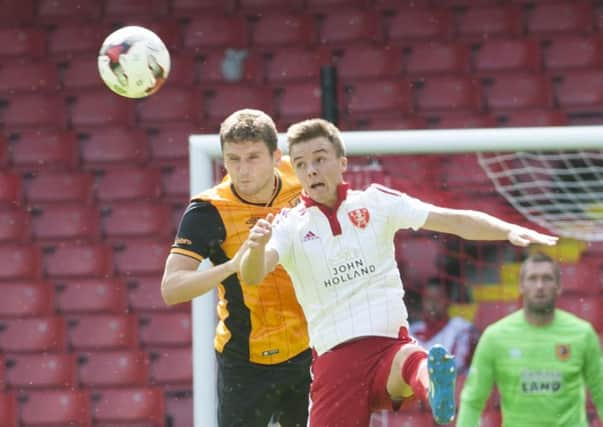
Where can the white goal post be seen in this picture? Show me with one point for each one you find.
(205, 148)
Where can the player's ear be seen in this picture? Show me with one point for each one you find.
(277, 157)
(344, 163)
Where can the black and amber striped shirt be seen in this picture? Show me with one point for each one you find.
(259, 323)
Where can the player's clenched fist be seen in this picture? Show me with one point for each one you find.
(260, 233)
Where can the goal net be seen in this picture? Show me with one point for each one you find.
(550, 179)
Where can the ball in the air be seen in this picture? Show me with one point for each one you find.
(133, 62)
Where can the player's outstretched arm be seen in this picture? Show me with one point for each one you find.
(256, 261)
(182, 282)
(476, 225)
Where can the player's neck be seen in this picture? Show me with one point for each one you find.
(265, 195)
(539, 318)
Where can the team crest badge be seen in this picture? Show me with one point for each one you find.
(359, 217)
(563, 352)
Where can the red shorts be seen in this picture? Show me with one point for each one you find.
(350, 381)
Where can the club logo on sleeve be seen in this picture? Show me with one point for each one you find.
(563, 352)
(359, 217)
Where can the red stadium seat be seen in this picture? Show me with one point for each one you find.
(573, 51)
(175, 182)
(144, 295)
(328, 5)
(65, 11)
(489, 21)
(446, 93)
(183, 70)
(562, 17)
(103, 332)
(136, 219)
(508, 54)
(20, 262)
(3, 151)
(369, 62)
(187, 8)
(519, 91)
(47, 370)
(10, 189)
(72, 39)
(437, 57)
(589, 308)
(47, 149)
(75, 187)
(60, 222)
(113, 145)
(119, 8)
(534, 118)
(17, 13)
(491, 418)
(23, 42)
(381, 121)
(290, 64)
(584, 278)
(129, 184)
(403, 419)
(27, 77)
(179, 407)
(174, 104)
(490, 312)
(141, 256)
(102, 295)
(419, 258)
(33, 110)
(44, 334)
(259, 6)
(14, 225)
(93, 260)
(283, 29)
(298, 100)
(419, 23)
(172, 367)
(169, 142)
(114, 369)
(223, 100)
(101, 108)
(8, 410)
(165, 329)
(461, 120)
(377, 95)
(579, 90)
(418, 167)
(56, 407)
(26, 299)
(212, 31)
(349, 25)
(137, 406)
(464, 174)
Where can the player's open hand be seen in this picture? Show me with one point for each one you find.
(524, 236)
(260, 233)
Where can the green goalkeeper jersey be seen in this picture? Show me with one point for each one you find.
(540, 372)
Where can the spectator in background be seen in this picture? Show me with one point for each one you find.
(456, 334)
(540, 358)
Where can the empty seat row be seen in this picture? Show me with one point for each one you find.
(110, 407)
(131, 257)
(27, 298)
(55, 333)
(167, 366)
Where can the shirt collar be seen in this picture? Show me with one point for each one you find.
(342, 192)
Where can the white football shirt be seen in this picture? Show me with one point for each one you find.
(342, 262)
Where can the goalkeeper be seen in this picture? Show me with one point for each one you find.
(540, 358)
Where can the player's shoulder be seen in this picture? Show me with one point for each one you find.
(460, 323)
(382, 190)
(505, 325)
(565, 318)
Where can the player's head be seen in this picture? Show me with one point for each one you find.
(249, 147)
(434, 300)
(539, 283)
(318, 156)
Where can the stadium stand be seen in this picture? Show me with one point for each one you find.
(76, 160)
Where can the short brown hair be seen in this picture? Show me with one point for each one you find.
(249, 125)
(540, 257)
(315, 128)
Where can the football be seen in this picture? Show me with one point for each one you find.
(133, 62)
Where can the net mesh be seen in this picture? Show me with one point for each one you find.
(560, 191)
